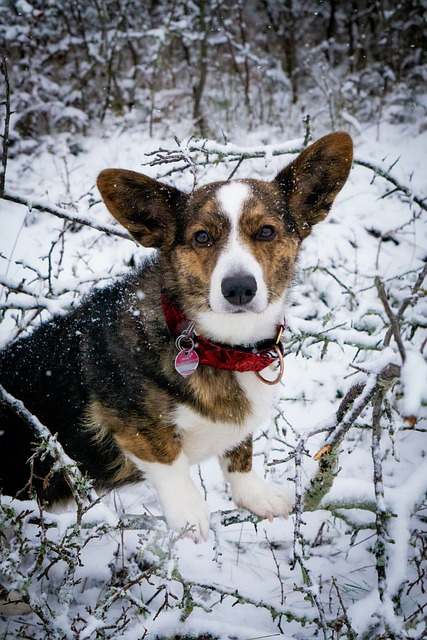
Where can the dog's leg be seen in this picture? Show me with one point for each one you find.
(156, 450)
(248, 490)
(181, 502)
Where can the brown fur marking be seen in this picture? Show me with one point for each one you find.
(135, 435)
(259, 210)
(193, 264)
(239, 459)
(228, 404)
(124, 470)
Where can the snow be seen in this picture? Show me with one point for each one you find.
(414, 383)
(335, 320)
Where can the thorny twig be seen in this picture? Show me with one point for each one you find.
(215, 152)
(275, 611)
(344, 616)
(358, 402)
(387, 176)
(381, 512)
(277, 565)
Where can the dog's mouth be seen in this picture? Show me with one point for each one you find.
(241, 309)
(225, 308)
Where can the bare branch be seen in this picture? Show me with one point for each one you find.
(385, 173)
(8, 113)
(411, 300)
(393, 321)
(61, 213)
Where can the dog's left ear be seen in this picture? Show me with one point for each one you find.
(311, 182)
(147, 208)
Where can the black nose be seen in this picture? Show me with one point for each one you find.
(239, 289)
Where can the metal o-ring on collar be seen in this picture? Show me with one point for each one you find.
(281, 368)
(187, 339)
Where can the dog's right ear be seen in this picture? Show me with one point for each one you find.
(147, 208)
(311, 182)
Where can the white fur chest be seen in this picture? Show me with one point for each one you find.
(203, 438)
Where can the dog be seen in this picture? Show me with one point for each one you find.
(172, 364)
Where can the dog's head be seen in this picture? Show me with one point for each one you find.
(230, 247)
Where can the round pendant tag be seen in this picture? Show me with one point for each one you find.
(186, 362)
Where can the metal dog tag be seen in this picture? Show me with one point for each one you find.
(186, 362)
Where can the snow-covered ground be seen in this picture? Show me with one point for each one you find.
(242, 582)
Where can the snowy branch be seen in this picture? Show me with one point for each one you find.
(385, 173)
(80, 487)
(39, 205)
(189, 152)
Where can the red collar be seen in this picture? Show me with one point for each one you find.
(216, 355)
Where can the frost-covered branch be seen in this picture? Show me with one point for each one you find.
(410, 300)
(59, 212)
(80, 487)
(240, 598)
(309, 586)
(386, 174)
(381, 512)
(355, 401)
(193, 152)
(394, 325)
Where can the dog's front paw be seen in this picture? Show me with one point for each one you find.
(183, 506)
(194, 522)
(189, 514)
(252, 493)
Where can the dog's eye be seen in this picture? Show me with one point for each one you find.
(202, 239)
(266, 232)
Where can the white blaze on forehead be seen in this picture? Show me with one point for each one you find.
(236, 257)
(231, 198)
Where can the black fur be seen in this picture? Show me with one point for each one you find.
(104, 350)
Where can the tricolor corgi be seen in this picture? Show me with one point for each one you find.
(173, 364)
